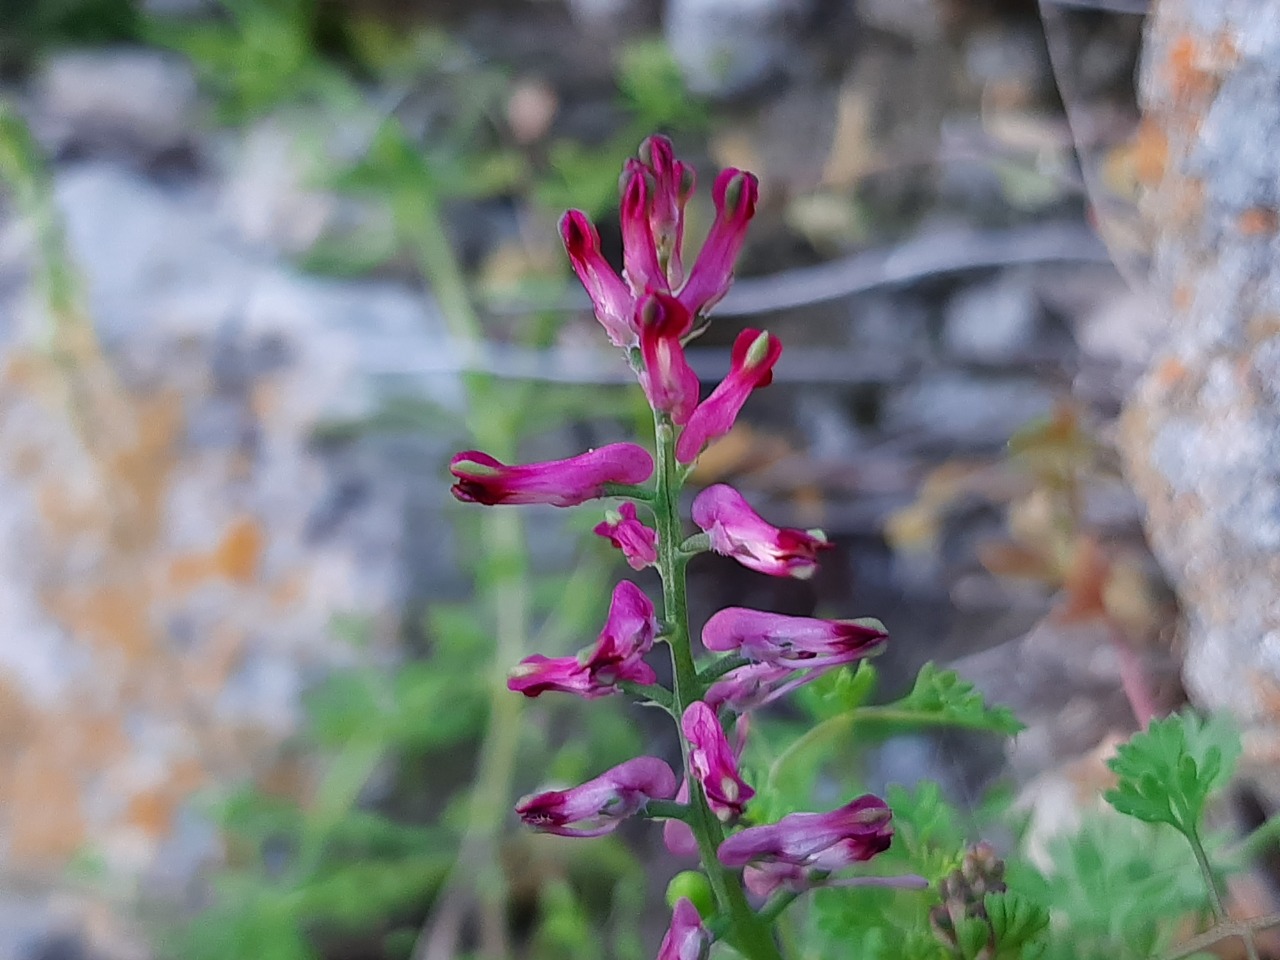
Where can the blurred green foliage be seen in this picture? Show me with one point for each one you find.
(30, 26)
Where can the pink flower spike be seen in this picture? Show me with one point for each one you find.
(561, 483)
(752, 361)
(686, 938)
(828, 842)
(614, 305)
(640, 265)
(673, 185)
(598, 806)
(738, 531)
(712, 761)
(617, 657)
(638, 543)
(668, 380)
(735, 194)
(785, 641)
(677, 835)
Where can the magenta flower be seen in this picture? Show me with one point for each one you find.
(686, 938)
(638, 543)
(788, 852)
(764, 879)
(598, 806)
(668, 380)
(561, 483)
(784, 641)
(713, 762)
(754, 685)
(616, 657)
(754, 355)
(613, 302)
(738, 531)
(641, 268)
(735, 194)
(673, 184)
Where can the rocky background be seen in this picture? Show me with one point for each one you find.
(197, 503)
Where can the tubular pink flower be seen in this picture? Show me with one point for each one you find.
(614, 305)
(640, 265)
(815, 841)
(763, 880)
(638, 543)
(735, 193)
(738, 531)
(598, 806)
(616, 657)
(561, 483)
(753, 358)
(712, 761)
(755, 685)
(668, 380)
(784, 641)
(686, 938)
(673, 185)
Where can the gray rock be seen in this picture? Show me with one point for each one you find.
(139, 99)
(1201, 433)
(957, 410)
(725, 47)
(994, 322)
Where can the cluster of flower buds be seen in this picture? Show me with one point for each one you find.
(651, 311)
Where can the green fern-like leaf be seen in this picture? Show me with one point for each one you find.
(945, 698)
(1168, 772)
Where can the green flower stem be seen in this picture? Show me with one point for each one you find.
(1215, 895)
(718, 669)
(748, 933)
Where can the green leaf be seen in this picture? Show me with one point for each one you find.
(1168, 772)
(972, 937)
(1119, 889)
(1017, 922)
(943, 697)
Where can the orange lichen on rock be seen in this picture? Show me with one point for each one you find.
(236, 558)
(1258, 221)
(1187, 77)
(1170, 371)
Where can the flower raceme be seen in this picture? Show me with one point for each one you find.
(638, 543)
(786, 641)
(562, 483)
(598, 806)
(655, 189)
(737, 531)
(616, 657)
(713, 762)
(686, 938)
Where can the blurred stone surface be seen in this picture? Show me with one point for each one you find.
(729, 47)
(174, 543)
(136, 100)
(994, 322)
(1202, 431)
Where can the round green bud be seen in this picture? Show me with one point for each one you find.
(693, 886)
